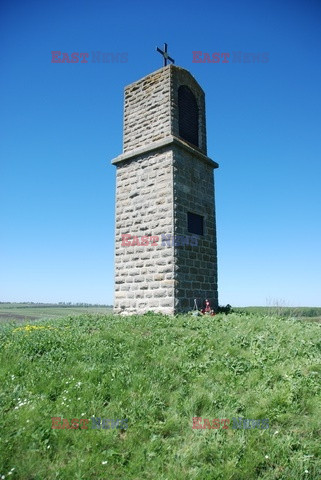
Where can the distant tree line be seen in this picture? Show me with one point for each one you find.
(60, 304)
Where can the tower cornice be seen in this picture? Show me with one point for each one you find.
(167, 142)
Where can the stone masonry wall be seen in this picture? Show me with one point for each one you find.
(144, 275)
(195, 266)
(147, 115)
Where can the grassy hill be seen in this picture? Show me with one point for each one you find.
(159, 373)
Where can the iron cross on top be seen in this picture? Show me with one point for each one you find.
(165, 54)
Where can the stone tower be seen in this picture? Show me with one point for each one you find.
(165, 254)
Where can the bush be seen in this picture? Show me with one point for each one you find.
(224, 309)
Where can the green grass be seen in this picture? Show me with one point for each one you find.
(312, 314)
(24, 312)
(159, 372)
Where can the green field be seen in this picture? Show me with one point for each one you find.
(160, 372)
(26, 312)
(303, 313)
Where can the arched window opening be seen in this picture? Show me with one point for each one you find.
(187, 115)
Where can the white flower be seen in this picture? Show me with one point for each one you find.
(266, 456)
(306, 471)
(276, 432)
(78, 398)
(104, 463)
(48, 446)
(3, 477)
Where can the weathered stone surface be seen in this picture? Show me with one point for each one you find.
(159, 179)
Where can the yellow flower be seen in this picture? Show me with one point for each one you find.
(30, 328)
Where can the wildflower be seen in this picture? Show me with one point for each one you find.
(266, 456)
(306, 471)
(30, 328)
(104, 463)
(48, 446)
(276, 432)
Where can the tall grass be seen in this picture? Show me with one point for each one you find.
(159, 372)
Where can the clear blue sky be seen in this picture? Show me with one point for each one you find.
(61, 124)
